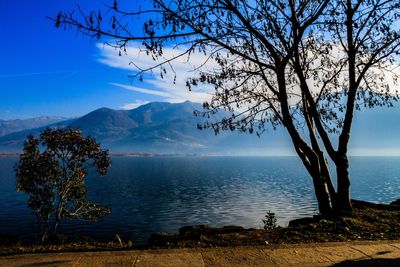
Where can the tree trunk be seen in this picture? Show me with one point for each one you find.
(320, 175)
(55, 226)
(318, 170)
(322, 194)
(328, 180)
(57, 220)
(58, 215)
(307, 154)
(343, 201)
(46, 226)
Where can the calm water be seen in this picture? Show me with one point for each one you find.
(150, 195)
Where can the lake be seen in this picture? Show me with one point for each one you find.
(162, 194)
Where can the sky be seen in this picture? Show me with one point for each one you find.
(52, 71)
(46, 71)
(59, 72)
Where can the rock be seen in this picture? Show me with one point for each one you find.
(193, 230)
(302, 222)
(161, 239)
(198, 230)
(193, 234)
(128, 243)
(232, 229)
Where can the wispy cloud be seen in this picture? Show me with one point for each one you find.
(142, 90)
(134, 104)
(154, 85)
(184, 68)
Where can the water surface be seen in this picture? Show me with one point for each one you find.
(150, 195)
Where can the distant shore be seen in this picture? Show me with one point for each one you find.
(124, 154)
(150, 154)
(156, 154)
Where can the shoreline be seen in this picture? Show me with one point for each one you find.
(369, 222)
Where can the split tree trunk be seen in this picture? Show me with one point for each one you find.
(312, 157)
(320, 175)
(343, 200)
(322, 194)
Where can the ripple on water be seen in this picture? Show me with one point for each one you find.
(150, 195)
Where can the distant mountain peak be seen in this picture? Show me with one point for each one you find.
(103, 109)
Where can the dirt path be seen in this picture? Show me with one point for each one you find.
(324, 254)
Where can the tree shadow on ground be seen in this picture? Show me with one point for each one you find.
(47, 263)
(369, 262)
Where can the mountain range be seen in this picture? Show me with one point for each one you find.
(161, 127)
(11, 126)
(156, 127)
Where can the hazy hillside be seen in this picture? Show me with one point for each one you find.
(172, 128)
(161, 128)
(12, 126)
(13, 142)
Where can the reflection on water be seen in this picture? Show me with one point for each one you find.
(150, 195)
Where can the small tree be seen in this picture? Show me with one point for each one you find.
(269, 221)
(52, 171)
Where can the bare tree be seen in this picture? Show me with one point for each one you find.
(306, 65)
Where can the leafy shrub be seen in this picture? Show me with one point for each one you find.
(269, 221)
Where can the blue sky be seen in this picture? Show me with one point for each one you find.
(57, 72)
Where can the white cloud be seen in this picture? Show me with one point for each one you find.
(133, 105)
(177, 92)
(142, 90)
(155, 85)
